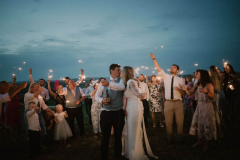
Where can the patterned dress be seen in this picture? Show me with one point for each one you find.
(203, 122)
(155, 98)
(188, 100)
(95, 114)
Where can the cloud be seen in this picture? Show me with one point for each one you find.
(3, 51)
(38, 1)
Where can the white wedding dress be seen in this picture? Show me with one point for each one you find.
(135, 125)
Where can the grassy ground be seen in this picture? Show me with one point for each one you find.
(88, 148)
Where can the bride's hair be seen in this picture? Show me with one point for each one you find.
(128, 73)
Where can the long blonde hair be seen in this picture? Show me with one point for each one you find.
(215, 78)
(128, 73)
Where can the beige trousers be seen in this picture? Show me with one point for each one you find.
(171, 108)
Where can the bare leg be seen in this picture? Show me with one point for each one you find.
(153, 119)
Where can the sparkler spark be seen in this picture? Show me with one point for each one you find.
(13, 74)
(181, 72)
(196, 64)
(19, 69)
(50, 70)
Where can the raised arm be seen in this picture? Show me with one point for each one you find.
(50, 90)
(155, 62)
(191, 91)
(13, 82)
(30, 76)
(15, 91)
(114, 86)
(80, 79)
(148, 83)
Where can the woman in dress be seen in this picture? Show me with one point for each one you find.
(188, 100)
(219, 103)
(203, 122)
(95, 111)
(135, 122)
(156, 92)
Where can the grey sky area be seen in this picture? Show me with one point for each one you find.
(56, 34)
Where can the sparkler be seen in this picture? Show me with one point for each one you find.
(13, 74)
(67, 101)
(19, 69)
(231, 87)
(196, 64)
(25, 64)
(181, 72)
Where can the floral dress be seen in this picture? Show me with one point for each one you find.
(155, 98)
(203, 122)
(188, 100)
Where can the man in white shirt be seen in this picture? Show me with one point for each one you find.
(144, 89)
(195, 78)
(44, 93)
(173, 94)
(88, 100)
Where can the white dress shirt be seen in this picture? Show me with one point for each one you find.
(144, 89)
(114, 86)
(88, 91)
(29, 97)
(178, 82)
(3, 99)
(195, 81)
(44, 93)
(33, 121)
(73, 91)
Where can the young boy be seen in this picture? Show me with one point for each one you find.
(33, 129)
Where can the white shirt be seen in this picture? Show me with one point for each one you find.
(178, 82)
(33, 121)
(3, 99)
(44, 93)
(73, 91)
(114, 86)
(144, 89)
(89, 90)
(195, 81)
(29, 97)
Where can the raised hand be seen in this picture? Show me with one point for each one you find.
(37, 108)
(82, 71)
(152, 55)
(23, 85)
(48, 81)
(30, 70)
(14, 79)
(105, 83)
(146, 77)
(60, 87)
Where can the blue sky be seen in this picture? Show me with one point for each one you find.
(56, 34)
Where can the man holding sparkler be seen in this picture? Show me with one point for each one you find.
(74, 96)
(173, 103)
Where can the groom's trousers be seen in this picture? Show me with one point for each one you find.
(107, 120)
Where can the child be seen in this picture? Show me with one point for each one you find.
(62, 130)
(33, 129)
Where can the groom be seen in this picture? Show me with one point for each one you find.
(112, 112)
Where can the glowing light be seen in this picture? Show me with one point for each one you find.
(24, 62)
(142, 66)
(50, 70)
(84, 77)
(155, 68)
(13, 74)
(152, 71)
(196, 64)
(80, 61)
(83, 81)
(67, 101)
(161, 46)
(231, 87)
(158, 78)
(181, 72)
(168, 70)
(146, 67)
(19, 69)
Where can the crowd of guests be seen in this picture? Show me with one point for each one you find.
(212, 97)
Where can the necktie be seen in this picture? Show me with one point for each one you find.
(172, 87)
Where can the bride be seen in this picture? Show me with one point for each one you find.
(134, 109)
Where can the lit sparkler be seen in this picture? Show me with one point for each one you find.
(19, 69)
(13, 74)
(181, 72)
(196, 64)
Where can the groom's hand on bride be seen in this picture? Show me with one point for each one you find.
(106, 100)
(105, 83)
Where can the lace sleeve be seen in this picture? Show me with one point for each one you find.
(134, 89)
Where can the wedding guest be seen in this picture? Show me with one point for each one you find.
(74, 96)
(34, 130)
(6, 96)
(49, 123)
(203, 122)
(13, 115)
(144, 89)
(33, 95)
(89, 100)
(62, 130)
(84, 89)
(44, 93)
(58, 99)
(112, 112)
(67, 79)
(95, 111)
(219, 103)
(77, 83)
(188, 100)
(156, 92)
(173, 104)
(232, 92)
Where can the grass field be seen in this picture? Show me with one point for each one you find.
(88, 148)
